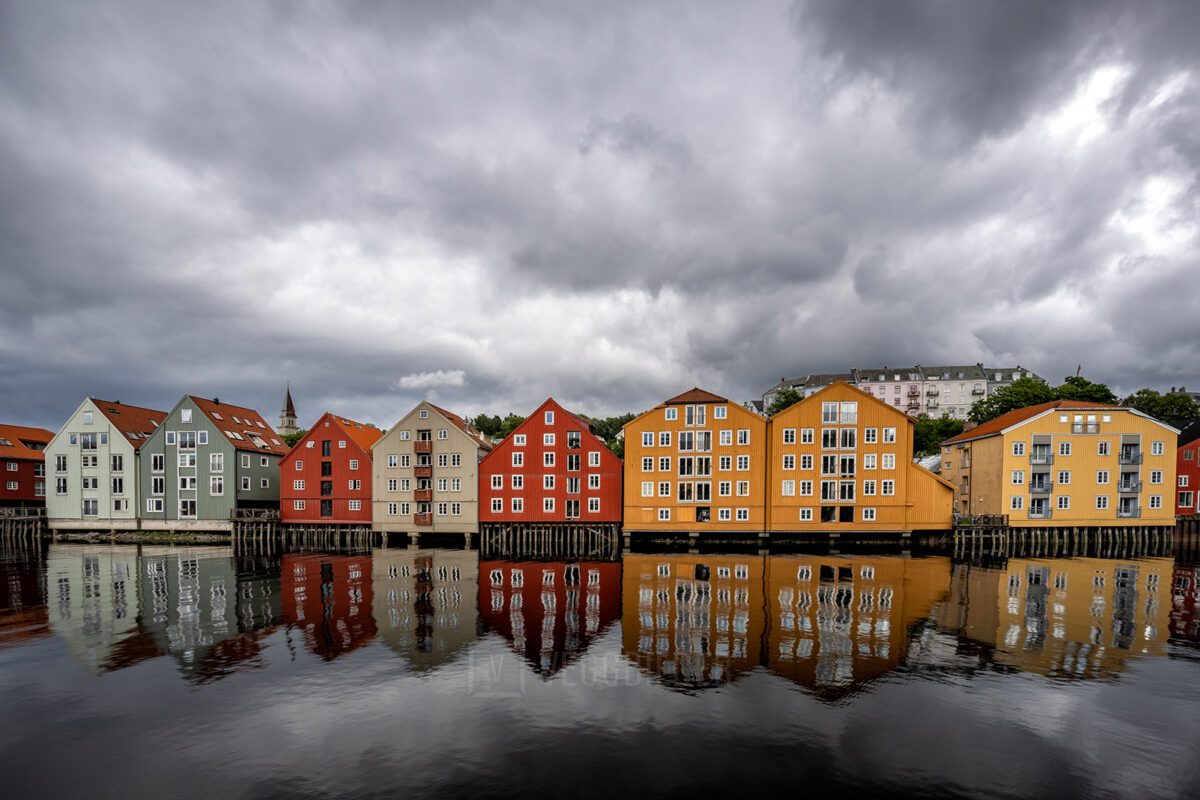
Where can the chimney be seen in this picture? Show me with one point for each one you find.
(970, 425)
(216, 401)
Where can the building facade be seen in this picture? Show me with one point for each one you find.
(206, 459)
(841, 460)
(899, 387)
(326, 478)
(695, 463)
(92, 466)
(952, 390)
(1187, 470)
(1066, 463)
(425, 473)
(23, 465)
(551, 469)
(806, 386)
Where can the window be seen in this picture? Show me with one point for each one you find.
(829, 439)
(354, 463)
(1102, 477)
(725, 488)
(743, 436)
(1156, 501)
(789, 488)
(868, 515)
(442, 460)
(245, 461)
(806, 515)
(60, 463)
(547, 481)
(548, 439)
(849, 439)
(519, 440)
(424, 414)
(726, 438)
(497, 505)
(888, 461)
(518, 505)
(1018, 477)
(118, 486)
(87, 418)
(1183, 480)
(299, 464)
(170, 438)
(868, 488)
(870, 435)
(245, 483)
(518, 481)
(1185, 499)
(743, 463)
(353, 486)
(443, 434)
(264, 483)
(549, 418)
(869, 460)
(789, 435)
(442, 509)
(719, 412)
(456, 459)
(829, 413)
(789, 462)
(1156, 476)
(497, 481)
(118, 464)
(548, 505)
(185, 415)
(889, 435)
(1101, 448)
(1018, 448)
(647, 439)
(593, 481)
(299, 486)
(1156, 448)
(743, 515)
(1064, 448)
(888, 488)
(593, 458)
(202, 437)
(724, 514)
(1016, 502)
(518, 459)
(405, 484)
(216, 485)
(392, 483)
(806, 488)
(1064, 501)
(548, 459)
(60, 485)
(187, 440)
(187, 460)
(664, 489)
(664, 514)
(297, 505)
(154, 505)
(405, 460)
(806, 461)
(647, 488)
(806, 435)
(743, 488)
(187, 483)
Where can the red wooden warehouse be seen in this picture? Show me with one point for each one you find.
(326, 478)
(1187, 471)
(551, 469)
(23, 465)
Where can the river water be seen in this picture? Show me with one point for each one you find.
(200, 672)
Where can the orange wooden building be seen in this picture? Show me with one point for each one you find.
(696, 463)
(841, 460)
(326, 478)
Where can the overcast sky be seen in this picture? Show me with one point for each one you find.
(486, 204)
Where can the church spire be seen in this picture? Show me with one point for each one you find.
(287, 417)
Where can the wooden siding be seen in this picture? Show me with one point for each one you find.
(457, 442)
(1187, 477)
(533, 469)
(642, 513)
(307, 455)
(68, 506)
(920, 501)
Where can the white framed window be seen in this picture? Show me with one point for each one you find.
(245, 483)
(888, 460)
(1102, 477)
(1064, 477)
(743, 463)
(154, 505)
(718, 412)
(1156, 501)
(187, 483)
(547, 481)
(1157, 449)
(518, 505)
(548, 459)
(405, 460)
(497, 481)
(806, 461)
(664, 439)
(724, 514)
(1101, 448)
(647, 439)
(497, 505)
(806, 515)
(664, 514)
(518, 459)
(549, 417)
(724, 463)
(868, 488)
(1016, 502)
(869, 460)
(518, 481)
(743, 488)
(593, 481)
(353, 463)
(216, 485)
(889, 435)
(170, 438)
(353, 485)
(743, 436)
(1156, 476)
(870, 435)
(548, 439)
(789, 435)
(298, 464)
(648, 464)
(664, 488)
(263, 461)
(393, 461)
(405, 484)
(245, 461)
(593, 458)
(405, 509)
(788, 488)
(887, 488)
(725, 438)
(868, 515)
(789, 462)
(742, 515)
(806, 488)
(456, 459)
(1064, 502)
(1101, 502)
(392, 484)
(424, 413)
(297, 505)
(548, 505)
(593, 505)
(443, 434)
(519, 440)
(202, 437)
(298, 486)
(671, 413)
(1018, 448)
(647, 488)
(1018, 477)
(1064, 448)
(264, 483)
(187, 460)
(806, 435)
(392, 509)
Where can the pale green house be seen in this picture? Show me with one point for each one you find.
(206, 459)
(92, 477)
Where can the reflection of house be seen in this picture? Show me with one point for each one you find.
(836, 622)
(23, 613)
(693, 620)
(424, 603)
(1185, 603)
(328, 597)
(549, 610)
(1073, 618)
(116, 607)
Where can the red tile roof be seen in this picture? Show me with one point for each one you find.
(134, 422)
(362, 434)
(13, 440)
(695, 395)
(248, 423)
(995, 426)
(462, 425)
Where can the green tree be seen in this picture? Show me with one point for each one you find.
(930, 432)
(1019, 394)
(509, 424)
(1173, 408)
(1077, 387)
(486, 424)
(290, 439)
(785, 398)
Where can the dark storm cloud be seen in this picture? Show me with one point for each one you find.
(487, 203)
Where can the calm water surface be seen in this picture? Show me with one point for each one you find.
(198, 672)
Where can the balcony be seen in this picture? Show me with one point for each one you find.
(1129, 487)
(423, 495)
(978, 391)
(1128, 513)
(423, 447)
(425, 471)
(1043, 513)
(932, 391)
(1045, 487)
(931, 403)
(914, 391)
(1130, 457)
(422, 519)
(1041, 458)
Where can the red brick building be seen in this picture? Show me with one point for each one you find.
(23, 465)
(326, 478)
(1187, 469)
(551, 469)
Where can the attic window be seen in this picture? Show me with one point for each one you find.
(5, 442)
(235, 419)
(277, 443)
(217, 415)
(259, 424)
(132, 435)
(154, 423)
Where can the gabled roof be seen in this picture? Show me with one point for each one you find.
(954, 372)
(250, 428)
(695, 395)
(462, 425)
(15, 441)
(815, 398)
(1001, 423)
(135, 423)
(363, 435)
(1189, 433)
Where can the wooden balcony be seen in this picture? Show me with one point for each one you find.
(423, 471)
(423, 519)
(423, 446)
(423, 495)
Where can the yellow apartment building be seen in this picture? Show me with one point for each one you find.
(841, 460)
(696, 463)
(1066, 463)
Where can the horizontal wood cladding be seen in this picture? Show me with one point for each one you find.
(528, 462)
(347, 461)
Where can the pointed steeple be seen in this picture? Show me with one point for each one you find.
(287, 417)
(289, 408)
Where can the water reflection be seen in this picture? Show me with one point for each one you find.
(425, 603)
(327, 598)
(550, 611)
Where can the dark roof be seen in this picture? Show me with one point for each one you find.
(872, 375)
(995, 426)
(135, 423)
(970, 372)
(1189, 433)
(289, 408)
(248, 426)
(695, 395)
(15, 441)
